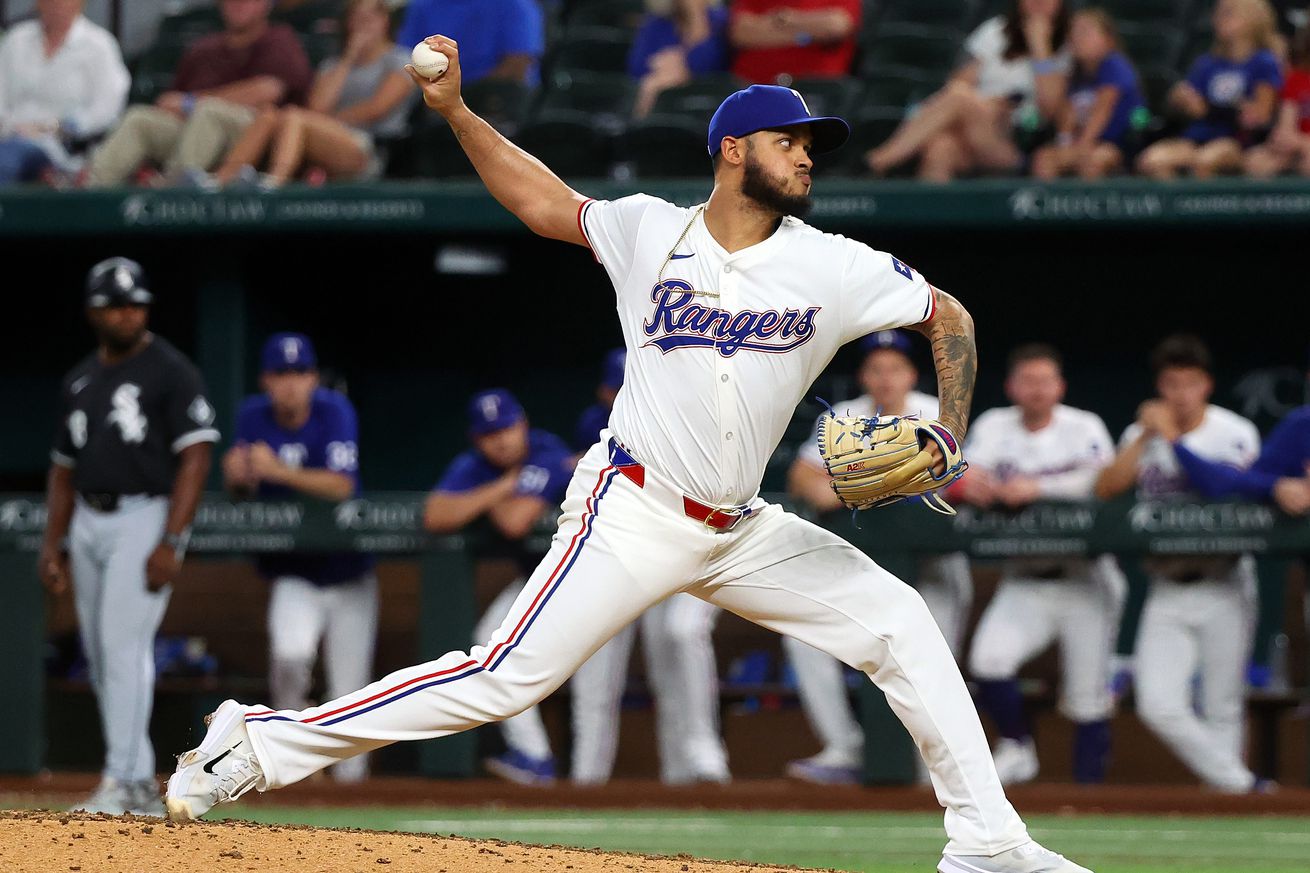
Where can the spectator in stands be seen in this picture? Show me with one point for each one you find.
(1014, 77)
(677, 41)
(1288, 146)
(1229, 96)
(62, 83)
(221, 83)
(1199, 612)
(1095, 121)
(498, 39)
(361, 94)
(297, 437)
(778, 41)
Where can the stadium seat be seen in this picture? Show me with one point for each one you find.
(570, 143)
(1150, 11)
(1152, 44)
(897, 89)
(625, 14)
(320, 46)
(1156, 81)
(990, 9)
(910, 47)
(430, 152)
(829, 96)
(665, 146)
(1200, 39)
(606, 96)
(698, 99)
(312, 16)
(938, 13)
(153, 70)
(597, 49)
(502, 103)
(870, 127)
(190, 24)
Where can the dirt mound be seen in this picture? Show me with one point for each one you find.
(42, 842)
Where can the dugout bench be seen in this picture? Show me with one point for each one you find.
(389, 525)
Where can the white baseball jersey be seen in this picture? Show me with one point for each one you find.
(916, 403)
(775, 313)
(1064, 457)
(1222, 436)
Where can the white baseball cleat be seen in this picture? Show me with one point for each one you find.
(1031, 857)
(219, 770)
(1016, 760)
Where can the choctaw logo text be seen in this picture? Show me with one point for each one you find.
(679, 323)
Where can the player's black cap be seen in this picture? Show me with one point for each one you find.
(117, 282)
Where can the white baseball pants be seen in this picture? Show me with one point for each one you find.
(1081, 613)
(680, 667)
(343, 619)
(117, 617)
(947, 590)
(1198, 628)
(525, 732)
(620, 549)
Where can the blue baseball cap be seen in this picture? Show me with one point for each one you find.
(612, 372)
(494, 410)
(288, 351)
(897, 340)
(769, 107)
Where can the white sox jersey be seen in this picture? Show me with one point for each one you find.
(1222, 436)
(774, 315)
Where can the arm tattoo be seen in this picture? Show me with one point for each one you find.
(956, 357)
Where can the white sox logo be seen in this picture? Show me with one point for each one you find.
(127, 413)
(678, 322)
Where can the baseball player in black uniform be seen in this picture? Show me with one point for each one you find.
(129, 463)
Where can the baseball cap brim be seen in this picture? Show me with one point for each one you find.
(830, 133)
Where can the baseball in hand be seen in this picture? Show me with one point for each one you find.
(429, 62)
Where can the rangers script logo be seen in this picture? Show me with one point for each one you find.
(678, 323)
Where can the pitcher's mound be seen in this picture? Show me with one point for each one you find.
(41, 842)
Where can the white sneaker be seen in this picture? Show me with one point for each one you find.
(219, 770)
(1031, 857)
(111, 797)
(1016, 760)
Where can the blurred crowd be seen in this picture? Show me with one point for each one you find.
(259, 93)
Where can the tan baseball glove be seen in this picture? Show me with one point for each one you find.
(883, 460)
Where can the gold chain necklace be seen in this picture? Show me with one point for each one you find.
(659, 280)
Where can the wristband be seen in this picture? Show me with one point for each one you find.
(188, 103)
(1046, 65)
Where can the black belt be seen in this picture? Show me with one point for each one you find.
(101, 501)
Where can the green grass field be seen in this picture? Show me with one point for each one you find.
(868, 842)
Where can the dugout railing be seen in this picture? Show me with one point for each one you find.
(389, 525)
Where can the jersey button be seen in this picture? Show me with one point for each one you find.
(723, 378)
(727, 268)
(728, 435)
